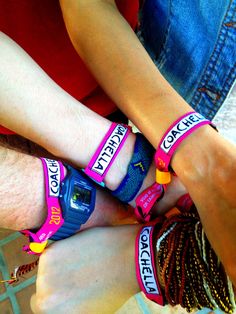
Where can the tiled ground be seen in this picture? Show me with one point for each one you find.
(14, 299)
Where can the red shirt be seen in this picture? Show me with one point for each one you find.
(38, 27)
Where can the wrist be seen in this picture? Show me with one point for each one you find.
(110, 154)
(200, 154)
(119, 168)
(92, 129)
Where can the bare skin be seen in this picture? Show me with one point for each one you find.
(98, 279)
(81, 128)
(204, 162)
(22, 195)
(145, 99)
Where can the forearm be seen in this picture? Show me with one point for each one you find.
(122, 66)
(35, 107)
(23, 202)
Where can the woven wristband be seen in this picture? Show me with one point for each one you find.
(54, 175)
(172, 138)
(146, 200)
(137, 170)
(107, 152)
(145, 265)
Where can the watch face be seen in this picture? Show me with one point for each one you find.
(80, 196)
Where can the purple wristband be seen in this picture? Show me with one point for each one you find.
(107, 152)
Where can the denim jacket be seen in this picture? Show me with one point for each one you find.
(193, 43)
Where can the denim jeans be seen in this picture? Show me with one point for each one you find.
(193, 43)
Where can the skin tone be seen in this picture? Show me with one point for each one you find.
(23, 197)
(82, 126)
(23, 173)
(22, 201)
(204, 162)
(98, 279)
(144, 99)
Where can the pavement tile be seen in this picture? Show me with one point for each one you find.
(5, 307)
(2, 285)
(5, 232)
(23, 298)
(14, 256)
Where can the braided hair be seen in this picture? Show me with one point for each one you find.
(188, 269)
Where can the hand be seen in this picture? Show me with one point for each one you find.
(91, 272)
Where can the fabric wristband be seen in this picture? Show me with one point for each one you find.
(107, 152)
(184, 203)
(146, 200)
(137, 170)
(54, 175)
(145, 265)
(172, 138)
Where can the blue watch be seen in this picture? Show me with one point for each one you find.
(77, 199)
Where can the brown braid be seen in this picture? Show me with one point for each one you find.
(188, 267)
(20, 271)
(202, 297)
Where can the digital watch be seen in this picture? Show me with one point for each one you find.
(70, 202)
(77, 198)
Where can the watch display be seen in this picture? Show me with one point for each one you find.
(81, 196)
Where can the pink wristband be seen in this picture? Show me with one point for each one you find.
(184, 203)
(54, 175)
(145, 265)
(175, 134)
(146, 200)
(107, 152)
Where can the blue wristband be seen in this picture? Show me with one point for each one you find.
(137, 170)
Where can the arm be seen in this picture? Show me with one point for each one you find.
(127, 74)
(41, 111)
(22, 196)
